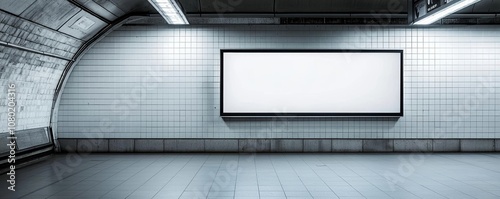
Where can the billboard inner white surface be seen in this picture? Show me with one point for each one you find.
(311, 82)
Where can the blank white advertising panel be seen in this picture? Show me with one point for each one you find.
(311, 83)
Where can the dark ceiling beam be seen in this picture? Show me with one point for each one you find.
(2, 43)
(290, 13)
(300, 15)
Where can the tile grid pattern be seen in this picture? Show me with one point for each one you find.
(162, 82)
(245, 176)
(35, 75)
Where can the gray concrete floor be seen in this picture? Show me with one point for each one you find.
(260, 176)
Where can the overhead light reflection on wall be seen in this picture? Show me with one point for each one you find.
(170, 11)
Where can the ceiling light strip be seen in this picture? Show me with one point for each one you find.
(426, 20)
(170, 11)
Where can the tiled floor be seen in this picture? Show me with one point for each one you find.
(260, 176)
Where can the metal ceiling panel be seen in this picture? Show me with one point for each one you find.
(341, 6)
(369, 6)
(110, 6)
(237, 6)
(495, 6)
(482, 6)
(50, 13)
(190, 6)
(127, 6)
(96, 8)
(83, 25)
(487, 6)
(314, 6)
(15, 6)
(233, 20)
(466, 10)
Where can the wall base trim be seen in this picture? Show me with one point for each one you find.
(118, 145)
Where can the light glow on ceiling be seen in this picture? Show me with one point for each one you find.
(170, 11)
(426, 20)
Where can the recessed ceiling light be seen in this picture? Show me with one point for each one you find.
(170, 11)
(431, 18)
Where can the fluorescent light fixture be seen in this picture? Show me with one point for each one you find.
(170, 11)
(426, 20)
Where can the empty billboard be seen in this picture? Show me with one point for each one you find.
(271, 83)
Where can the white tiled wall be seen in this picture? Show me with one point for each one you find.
(36, 76)
(163, 82)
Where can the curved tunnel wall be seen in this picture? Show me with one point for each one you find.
(38, 40)
(35, 75)
(162, 82)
